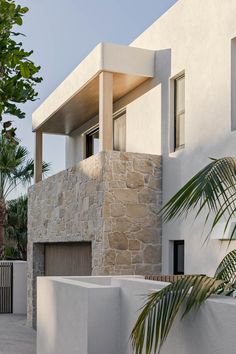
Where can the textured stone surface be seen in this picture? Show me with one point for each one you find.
(110, 199)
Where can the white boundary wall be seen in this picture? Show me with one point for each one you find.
(95, 315)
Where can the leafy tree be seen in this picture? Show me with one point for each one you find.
(15, 234)
(212, 191)
(18, 74)
(15, 168)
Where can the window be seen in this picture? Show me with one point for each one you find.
(119, 135)
(178, 257)
(92, 142)
(233, 84)
(179, 112)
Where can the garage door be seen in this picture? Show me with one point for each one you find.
(68, 258)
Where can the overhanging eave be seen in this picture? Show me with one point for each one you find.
(76, 100)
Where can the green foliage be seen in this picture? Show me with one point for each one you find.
(10, 252)
(15, 232)
(18, 74)
(15, 166)
(161, 307)
(212, 190)
(227, 268)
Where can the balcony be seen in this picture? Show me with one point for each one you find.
(107, 74)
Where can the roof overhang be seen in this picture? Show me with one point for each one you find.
(76, 99)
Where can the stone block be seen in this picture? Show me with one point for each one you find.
(136, 210)
(117, 210)
(123, 258)
(126, 195)
(147, 196)
(118, 240)
(110, 257)
(147, 235)
(143, 165)
(137, 258)
(135, 180)
(134, 245)
(152, 254)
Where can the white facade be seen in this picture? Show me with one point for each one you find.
(95, 315)
(195, 37)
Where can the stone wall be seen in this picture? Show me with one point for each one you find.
(110, 199)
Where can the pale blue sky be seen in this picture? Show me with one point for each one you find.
(62, 33)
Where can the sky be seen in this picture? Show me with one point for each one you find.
(62, 33)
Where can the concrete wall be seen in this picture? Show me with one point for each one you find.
(19, 287)
(96, 315)
(194, 36)
(111, 200)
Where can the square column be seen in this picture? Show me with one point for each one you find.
(38, 160)
(105, 111)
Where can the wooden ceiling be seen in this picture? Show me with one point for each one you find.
(85, 104)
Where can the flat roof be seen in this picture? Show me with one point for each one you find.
(76, 99)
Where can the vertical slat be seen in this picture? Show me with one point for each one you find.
(11, 284)
(6, 286)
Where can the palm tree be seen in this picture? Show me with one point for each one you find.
(15, 168)
(212, 191)
(161, 307)
(16, 229)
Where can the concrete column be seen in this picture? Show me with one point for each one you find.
(38, 156)
(105, 111)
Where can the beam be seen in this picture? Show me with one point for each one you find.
(105, 111)
(38, 161)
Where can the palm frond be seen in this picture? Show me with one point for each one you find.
(227, 268)
(161, 308)
(213, 188)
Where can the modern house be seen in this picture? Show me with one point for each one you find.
(139, 121)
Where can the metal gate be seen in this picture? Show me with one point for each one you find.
(6, 285)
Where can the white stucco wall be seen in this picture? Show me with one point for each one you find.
(198, 35)
(71, 317)
(95, 315)
(194, 36)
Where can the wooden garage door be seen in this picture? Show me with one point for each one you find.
(68, 258)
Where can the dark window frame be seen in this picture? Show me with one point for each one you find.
(89, 142)
(175, 256)
(177, 114)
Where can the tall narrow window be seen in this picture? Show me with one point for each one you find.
(233, 84)
(119, 138)
(179, 98)
(92, 142)
(178, 257)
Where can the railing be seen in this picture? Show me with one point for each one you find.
(6, 287)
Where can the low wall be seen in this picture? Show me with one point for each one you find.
(19, 287)
(71, 317)
(95, 315)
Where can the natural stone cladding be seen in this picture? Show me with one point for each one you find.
(111, 199)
